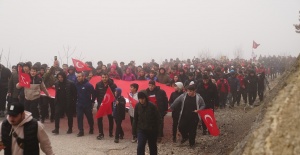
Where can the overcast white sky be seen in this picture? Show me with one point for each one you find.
(140, 30)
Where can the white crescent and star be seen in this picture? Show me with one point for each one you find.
(208, 116)
(106, 98)
(23, 79)
(78, 65)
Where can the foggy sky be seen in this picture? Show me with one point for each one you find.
(125, 30)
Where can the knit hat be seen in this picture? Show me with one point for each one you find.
(179, 85)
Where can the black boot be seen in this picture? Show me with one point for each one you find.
(69, 131)
(55, 131)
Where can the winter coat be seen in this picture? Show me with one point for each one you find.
(251, 83)
(146, 118)
(42, 137)
(5, 75)
(100, 90)
(128, 77)
(161, 99)
(72, 77)
(119, 109)
(163, 78)
(179, 101)
(176, 111)
(85, 94)
(12, 85)
(50, 76)
(36, 85)
(71, 94)
(210, 94)
(223, 86)
(234, 84)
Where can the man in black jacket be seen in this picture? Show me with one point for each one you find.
(100, 89)
(65, 99)
(119, 114)
(176, 112)
(209, 93)
(146, 124)
(161, 103)
(251, 82)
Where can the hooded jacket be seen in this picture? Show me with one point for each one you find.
(179, 101)
(119, 109)
(70, 97)
(163, 78)
(42, 137)
(146, 117)
(161, 99)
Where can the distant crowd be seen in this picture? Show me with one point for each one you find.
(208, 83)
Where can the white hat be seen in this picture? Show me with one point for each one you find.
(179, 85)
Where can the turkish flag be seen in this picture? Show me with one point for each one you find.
(24, 79)
(152, 99)
(105, 107)
(80, 66)
(255, 45)
(208, 117)
(132, 101)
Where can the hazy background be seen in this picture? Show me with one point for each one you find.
(125, 30)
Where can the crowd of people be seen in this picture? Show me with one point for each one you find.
(198, 84)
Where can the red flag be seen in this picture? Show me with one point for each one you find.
(152, 99)
(105, 108)
(132, 100)
(255, 45)
(24, 79)
(207, 115)
(80, 66)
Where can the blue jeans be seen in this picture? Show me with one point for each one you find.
(89, 115)
(143, 137)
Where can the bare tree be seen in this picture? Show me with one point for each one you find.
(297, 26)
(8, 64)
(66, 55)
(238, 53)
(204, 54)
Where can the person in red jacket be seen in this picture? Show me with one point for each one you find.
(223, 89)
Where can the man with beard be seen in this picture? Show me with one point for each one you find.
(101, 88)
(65, 98)
(21, 134)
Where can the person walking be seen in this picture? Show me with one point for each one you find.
(65, 101)
(22, 134)
(84, 105)
(146, 124)
(119, 114)
(100, 89)
(190, 103)
(178, 86)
